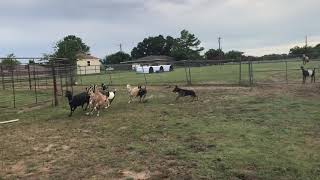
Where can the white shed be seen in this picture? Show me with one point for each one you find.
(88, 64)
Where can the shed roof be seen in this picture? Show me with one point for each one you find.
(150, 59)
(86, 56)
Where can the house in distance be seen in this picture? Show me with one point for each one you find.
(87, 64)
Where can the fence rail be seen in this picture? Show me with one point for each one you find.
(30, 84)
(26, 85)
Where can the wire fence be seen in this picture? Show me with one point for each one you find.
(202, 72)
(27, 85)
(45, 82)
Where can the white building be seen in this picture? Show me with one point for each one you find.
(88, 64)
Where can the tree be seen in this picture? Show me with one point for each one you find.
(116, 58)
(214, 54)
(69, 47)
(299, 51)
(233, 54)
(10, 60)
(186, 47)
(157, 45)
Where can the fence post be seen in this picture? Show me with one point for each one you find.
(189, 74)
(2, 78)
(185, 69)
(35, 82)
(54, 84)
(240, 69)
(13, 88)
(287, 72)
(29, 77)
(251, 73)
(110, 79)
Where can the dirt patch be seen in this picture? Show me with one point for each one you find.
(134, 175)
(18, 169)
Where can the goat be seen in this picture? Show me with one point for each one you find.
(136, 92)
(97, 100)
(308, 72)
(184, 92)
(305, 59)
(110, 94)
(77, 100)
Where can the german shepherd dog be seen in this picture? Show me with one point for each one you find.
(142, 93)
(184, 92)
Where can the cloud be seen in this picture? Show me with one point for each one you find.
(31, 27)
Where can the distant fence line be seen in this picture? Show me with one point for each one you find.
(29, 84)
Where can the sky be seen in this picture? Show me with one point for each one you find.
(30, 28)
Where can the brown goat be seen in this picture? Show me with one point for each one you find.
(97, 100)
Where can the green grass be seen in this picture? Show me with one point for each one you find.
(226, 74)
(236, 133)
(24, 99)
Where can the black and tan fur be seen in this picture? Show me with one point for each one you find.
(184, 93)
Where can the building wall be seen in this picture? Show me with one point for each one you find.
(83, 67)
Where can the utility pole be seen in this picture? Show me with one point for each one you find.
(120, 45)
(219, 41)
(306, 41)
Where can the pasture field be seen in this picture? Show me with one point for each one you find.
(274, 72)
(264, 132)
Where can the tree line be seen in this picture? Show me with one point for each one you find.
(185, 47)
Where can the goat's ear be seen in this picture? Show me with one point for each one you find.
(176, 86)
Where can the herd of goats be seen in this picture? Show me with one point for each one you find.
(96, 98)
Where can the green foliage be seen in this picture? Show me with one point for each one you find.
(116, 58)
(233, 54)
(69, 47)
(10, 60)
(298, 51)
(186, 47)
(153, 46)
(214, 54)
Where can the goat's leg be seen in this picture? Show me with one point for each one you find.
(87, 104)
(71, 111)
(130, 99)
(177, 98)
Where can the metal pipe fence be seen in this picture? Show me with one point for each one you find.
(27, 85)
(46, 81)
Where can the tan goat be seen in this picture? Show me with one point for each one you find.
(97, 100)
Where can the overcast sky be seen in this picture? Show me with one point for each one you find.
(257, 27)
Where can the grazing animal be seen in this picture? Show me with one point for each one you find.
(77, 100)
(305, 59)
(97, 100)
(110, 94)
(184, 92)
(307, 73)
(136, 92)
(104, 87)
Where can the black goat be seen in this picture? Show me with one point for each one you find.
(77, 100)
(307, 73)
